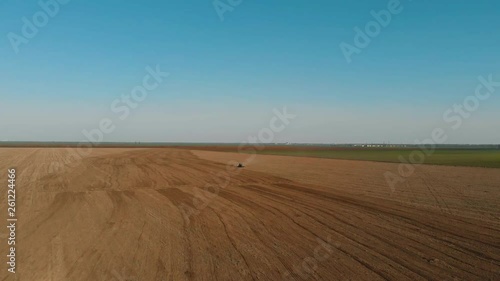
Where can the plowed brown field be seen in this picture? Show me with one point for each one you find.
(148, 214)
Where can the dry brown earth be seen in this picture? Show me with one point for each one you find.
(148, 214)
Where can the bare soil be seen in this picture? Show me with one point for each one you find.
(176, 214)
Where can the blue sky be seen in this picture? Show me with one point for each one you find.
(226, 77)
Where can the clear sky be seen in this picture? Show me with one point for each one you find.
(227, 76)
